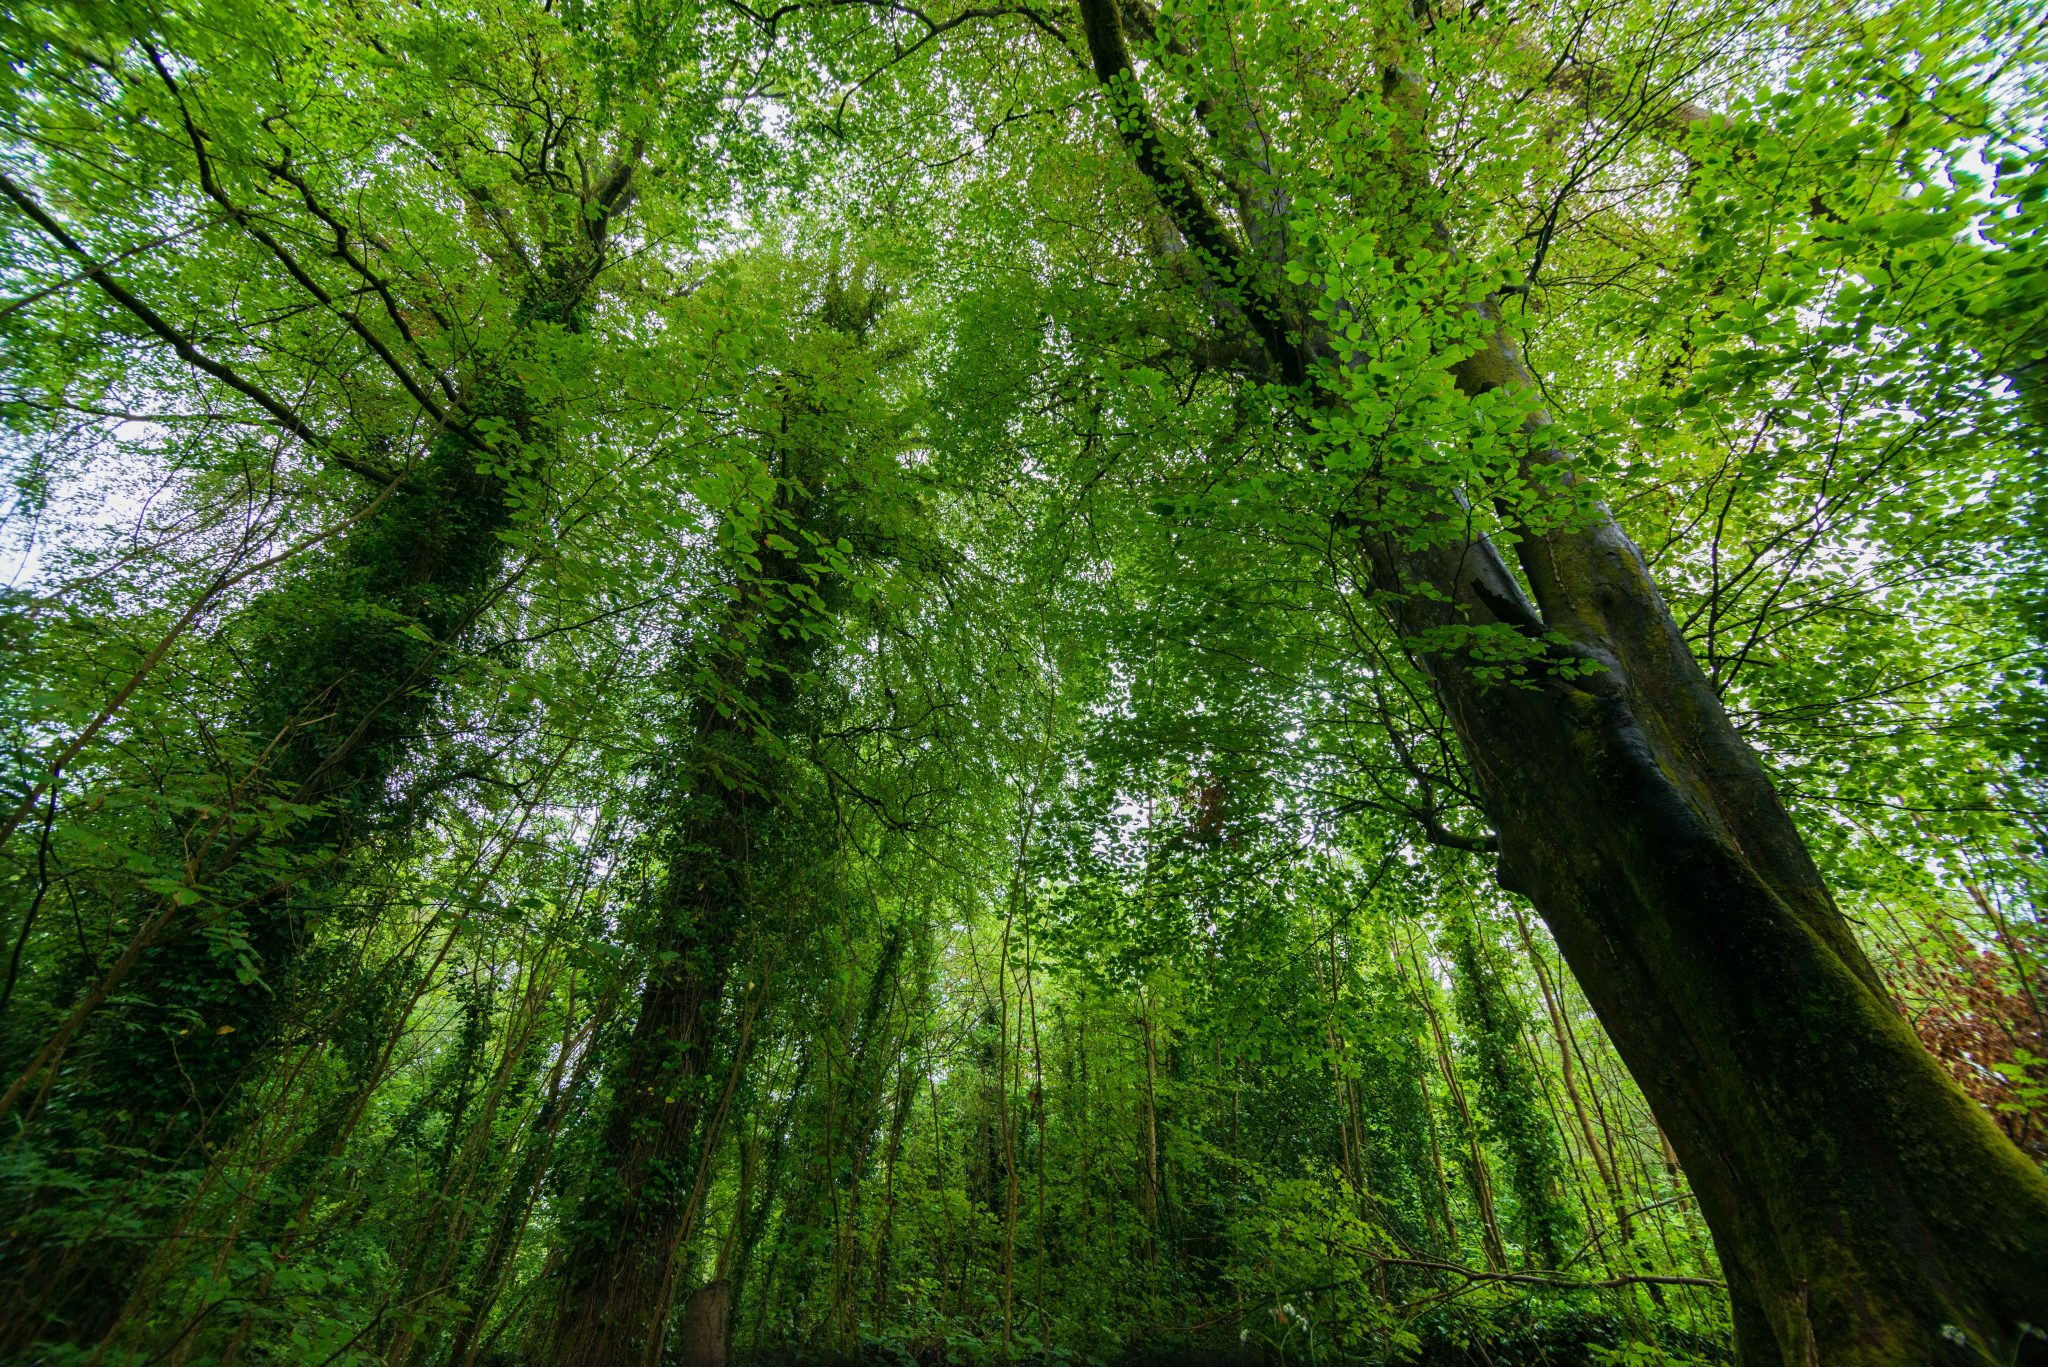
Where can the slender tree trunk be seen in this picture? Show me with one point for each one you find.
(754, 1219)
(516, 1204)
(615, 1281)
(899, 1116)
(1149, 1177)
(1602, 1160)
(1442, 1190)
(1006, 1125)
(1475, 1157)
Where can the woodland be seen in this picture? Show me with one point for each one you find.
(1023, 681)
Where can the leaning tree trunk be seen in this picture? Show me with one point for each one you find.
(1864, 1210)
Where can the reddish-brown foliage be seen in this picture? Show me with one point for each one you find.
(1979, 1011)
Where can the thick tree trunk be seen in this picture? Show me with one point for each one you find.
(145, 1086)
(1865, 1211)
(702, 1340)
(617, 1284)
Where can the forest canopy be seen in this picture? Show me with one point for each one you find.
(1073, 681)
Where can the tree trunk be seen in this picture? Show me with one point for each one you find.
(1865, 1211)
(720, 806)
(703, 1337)
(1468, 1130)
(150, 1080)
(615, 1278)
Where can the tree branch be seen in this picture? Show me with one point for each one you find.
(1221, 258)
(242, 219)
(178, 342)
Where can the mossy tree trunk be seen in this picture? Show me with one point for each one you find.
(347, 671)
(1865, 1211)
(617, 1281)
(142, 1079)
(731, 792)
(1509, 1098)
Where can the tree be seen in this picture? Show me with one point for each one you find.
(1863, 1210)
(430, 378)
(733, 833)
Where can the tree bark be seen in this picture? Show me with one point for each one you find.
(704, 1332)
(728, 790)
(615, 1277)
(1864, 1210)
(1860, 1204)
